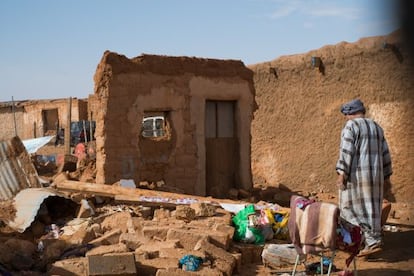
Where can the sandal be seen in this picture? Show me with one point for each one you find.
(371, 249)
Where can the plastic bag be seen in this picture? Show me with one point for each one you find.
(244, 232)
(280, 227)
(190, 262)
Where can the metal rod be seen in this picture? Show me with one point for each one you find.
(84, 131)
(14, 118)
(68, 124)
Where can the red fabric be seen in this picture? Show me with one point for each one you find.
(356, 237)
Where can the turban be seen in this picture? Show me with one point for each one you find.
(353, 107)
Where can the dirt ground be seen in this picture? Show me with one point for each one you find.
(397, 258)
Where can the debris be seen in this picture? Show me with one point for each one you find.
(117, 264)
(33, 145)
(127, 183)
(99, 240)
(76, 251)
(69, 163)
(86, 209)
(190, 263)
(279, 255)
(203, 209)
(185, 213)
(27, 204)
(17, 171)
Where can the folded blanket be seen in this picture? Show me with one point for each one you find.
(313, 228)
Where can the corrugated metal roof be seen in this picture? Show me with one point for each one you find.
(27, 203)
(17, 171)
(33, 145)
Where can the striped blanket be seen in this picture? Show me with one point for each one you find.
(312, 229)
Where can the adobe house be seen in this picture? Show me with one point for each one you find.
(181, 120)
(296, 130)
(36, 118)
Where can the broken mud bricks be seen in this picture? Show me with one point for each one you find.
(189, 237)
(75, 266)
(223, 260)
(203, 209)
(185, 213)
(108, 238)
(120, 264)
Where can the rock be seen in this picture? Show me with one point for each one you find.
(184, 212)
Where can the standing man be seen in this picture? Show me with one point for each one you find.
(363, 167)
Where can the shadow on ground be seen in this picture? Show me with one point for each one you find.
(384, 272)
(397, 257)
(398, 247)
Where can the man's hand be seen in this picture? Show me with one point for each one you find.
(340, 182)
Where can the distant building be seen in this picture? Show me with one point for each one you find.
(36, 118)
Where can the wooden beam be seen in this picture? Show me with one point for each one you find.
(136, 195)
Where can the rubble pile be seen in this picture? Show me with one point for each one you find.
(73, 226)
(68, 239)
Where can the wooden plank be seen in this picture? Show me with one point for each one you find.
(128, 199)
(131, 193)
(134, 195)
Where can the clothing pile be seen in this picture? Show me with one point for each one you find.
(258, 225)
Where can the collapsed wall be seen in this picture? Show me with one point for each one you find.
(296, 130)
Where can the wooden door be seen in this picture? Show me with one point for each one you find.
(222, 158)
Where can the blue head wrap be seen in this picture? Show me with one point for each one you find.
(353, 107)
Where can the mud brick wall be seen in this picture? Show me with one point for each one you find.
(8, 119)
(125, 89)
(296, 130)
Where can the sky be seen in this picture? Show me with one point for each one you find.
(50, 48)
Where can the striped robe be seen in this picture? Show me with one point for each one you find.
(365, 160)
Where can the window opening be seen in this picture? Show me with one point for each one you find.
(154, 124)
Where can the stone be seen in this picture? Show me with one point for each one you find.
(117, 264)
(184, 212)
(189, 237)
(107, 249)
(155, 231)
(203, 209)
(118, 220)
(74, 266)
(223, 260)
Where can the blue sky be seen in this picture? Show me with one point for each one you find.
(50, 48)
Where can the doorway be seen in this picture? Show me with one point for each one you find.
(222, 148)
(50, 119)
